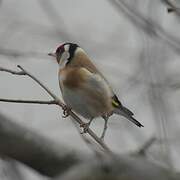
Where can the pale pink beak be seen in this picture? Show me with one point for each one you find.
(52, 54)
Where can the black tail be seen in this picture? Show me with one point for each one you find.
(128, 114)
(126, 110)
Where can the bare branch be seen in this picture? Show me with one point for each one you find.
(75, 117)
(51, 159)
(58, 102)
(119, 168)
(90, 132)
(33, 150)
(28, 101)
(96, 149)
(142, 151)
(12, 72)
(147, 25)
(172, 7)
(40, 83)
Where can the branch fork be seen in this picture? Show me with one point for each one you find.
(56, 101)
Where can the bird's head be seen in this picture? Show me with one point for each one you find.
(65, 53)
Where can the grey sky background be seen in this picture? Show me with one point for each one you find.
(136, 44)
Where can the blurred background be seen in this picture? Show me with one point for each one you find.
(136, 44)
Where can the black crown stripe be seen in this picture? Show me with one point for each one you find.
(72, 50)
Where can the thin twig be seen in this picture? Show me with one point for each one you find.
(89, 131)
(88, 141)
(12, 72)
(28, 101)
(142, 151)
(148, 25)
(172, 7)
(58, 102)
(40, 83)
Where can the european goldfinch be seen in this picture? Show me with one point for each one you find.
(84, 89)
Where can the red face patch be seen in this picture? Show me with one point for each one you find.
(60, 48)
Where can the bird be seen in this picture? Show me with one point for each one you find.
(84, 88)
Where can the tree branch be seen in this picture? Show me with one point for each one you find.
(35, 151)
(40, 83)
(46, 157)
(119, 168)
(142, 150)
(12, 72)
(172, 7)
(28, 101)
(58, 102)
(148, 25)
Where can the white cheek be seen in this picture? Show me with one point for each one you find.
(66, 47)
(64, 59)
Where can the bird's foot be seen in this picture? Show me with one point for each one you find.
(85, 126)
(65, 111)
